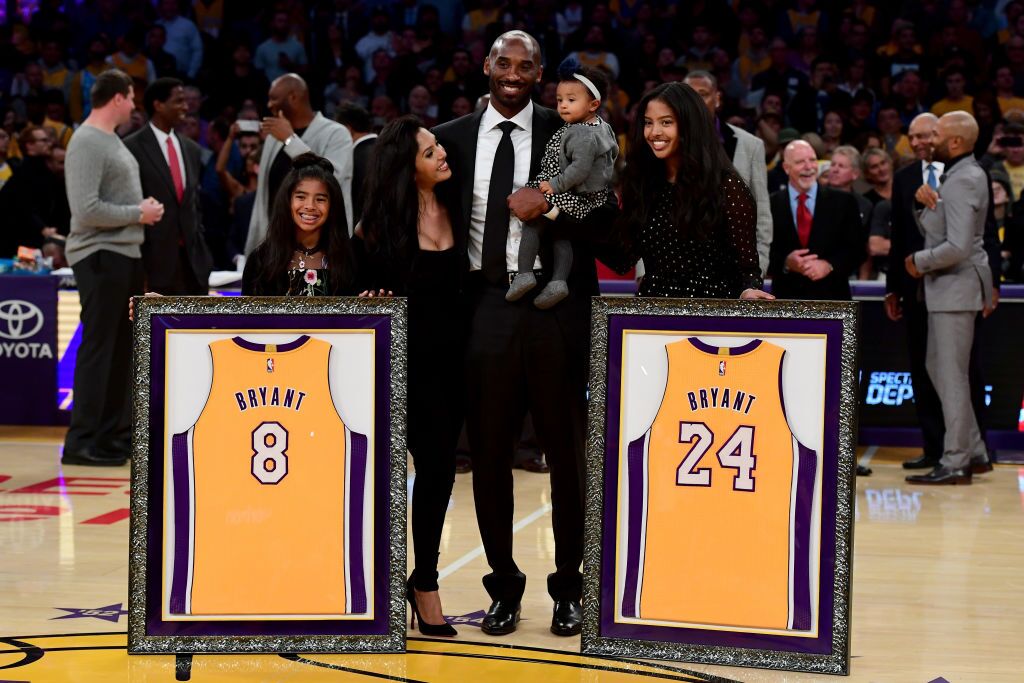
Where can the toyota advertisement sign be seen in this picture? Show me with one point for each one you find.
(28, 347)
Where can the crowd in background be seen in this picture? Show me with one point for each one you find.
(840, 75)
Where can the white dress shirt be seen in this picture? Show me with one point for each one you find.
(161, 141)
(487, 141)
(937, 165)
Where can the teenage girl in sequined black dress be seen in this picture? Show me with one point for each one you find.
(686, 212)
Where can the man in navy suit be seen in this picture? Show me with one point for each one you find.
(520, 357)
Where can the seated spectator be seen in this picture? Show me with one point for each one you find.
(832, 131)
(380, 37)
(1009, 227)
(33, 202)
(79, 103)
(281, 53)
(807, 109)
(893, 139)
(956, 98)
(1011, 142)
(1006, 91)
(906, 90)
(56, 75)
(902, 53)
(131, 60)
(595, 53)
(780, 76)
(182, 38)
(419, 105)
(163, 61)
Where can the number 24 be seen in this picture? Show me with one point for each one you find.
(737, 454)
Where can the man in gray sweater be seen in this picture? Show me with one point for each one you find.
(107, 218)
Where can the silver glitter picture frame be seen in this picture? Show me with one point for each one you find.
(148, 632)
(607, 633)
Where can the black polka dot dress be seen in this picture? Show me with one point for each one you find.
(577, 205)
(717, 266)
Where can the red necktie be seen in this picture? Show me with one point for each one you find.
(172, 160)
(803, 220)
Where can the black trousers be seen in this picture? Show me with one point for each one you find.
(522, 358)
(435, 416)
(926, 399)
(101, 415)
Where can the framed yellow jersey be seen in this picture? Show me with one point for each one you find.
(720, 482)
(268, 463)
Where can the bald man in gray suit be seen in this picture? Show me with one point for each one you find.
(957, 284)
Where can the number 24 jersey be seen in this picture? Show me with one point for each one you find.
(720, 497)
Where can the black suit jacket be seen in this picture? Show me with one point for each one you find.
(181, 221)
(836, 236)
(459, 138)
(906, 237)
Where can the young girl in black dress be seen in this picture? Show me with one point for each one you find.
(687, 212)
(407, 245)
(307, 251)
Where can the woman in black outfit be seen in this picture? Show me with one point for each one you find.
(307, 251)
(408, 247)
(686, 212)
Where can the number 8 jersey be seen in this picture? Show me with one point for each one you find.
(268, 478)
(720, 497)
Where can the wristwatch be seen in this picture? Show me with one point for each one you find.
(289, 139)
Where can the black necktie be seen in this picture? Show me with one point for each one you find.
(496, 220)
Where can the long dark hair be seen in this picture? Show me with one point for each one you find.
(278, 247)
(697, 201)
(390, 196)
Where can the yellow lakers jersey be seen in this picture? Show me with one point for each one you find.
(268, 478)
(718, 519)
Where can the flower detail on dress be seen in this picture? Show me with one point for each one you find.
(310, 277)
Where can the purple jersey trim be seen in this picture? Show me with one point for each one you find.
(802, 515)
(634, 532)
(262, 348)
(733, 350)
(355, 547)
(182, 505)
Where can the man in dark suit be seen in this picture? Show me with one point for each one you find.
(359, 124)
(175, 255)
(817, 237)
(904, 297)
(520, 357)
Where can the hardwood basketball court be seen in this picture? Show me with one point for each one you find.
(937, 587)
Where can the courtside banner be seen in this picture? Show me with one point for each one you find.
(268, 475)
(28, 349)
(720, 489)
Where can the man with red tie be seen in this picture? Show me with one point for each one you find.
(175, 255)
(817, 240)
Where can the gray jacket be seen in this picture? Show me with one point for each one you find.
(324, 137)
(587, 159)
(957, 276)
(749, 162)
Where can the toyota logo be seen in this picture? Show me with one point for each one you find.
(19, 319)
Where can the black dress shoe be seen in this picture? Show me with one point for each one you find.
(942, 476)
(980, 466)
(567, 619)
(85, 456)
(921, 462)
(501, 618)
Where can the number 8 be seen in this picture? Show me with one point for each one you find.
(270, 456)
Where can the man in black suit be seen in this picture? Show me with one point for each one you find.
(818, 239)
(520, 357)
(904, 297)
(175, 255)
(359, 124)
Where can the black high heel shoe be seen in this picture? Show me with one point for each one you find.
(426, 629)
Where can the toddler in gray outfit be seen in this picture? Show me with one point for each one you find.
(575, 175)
